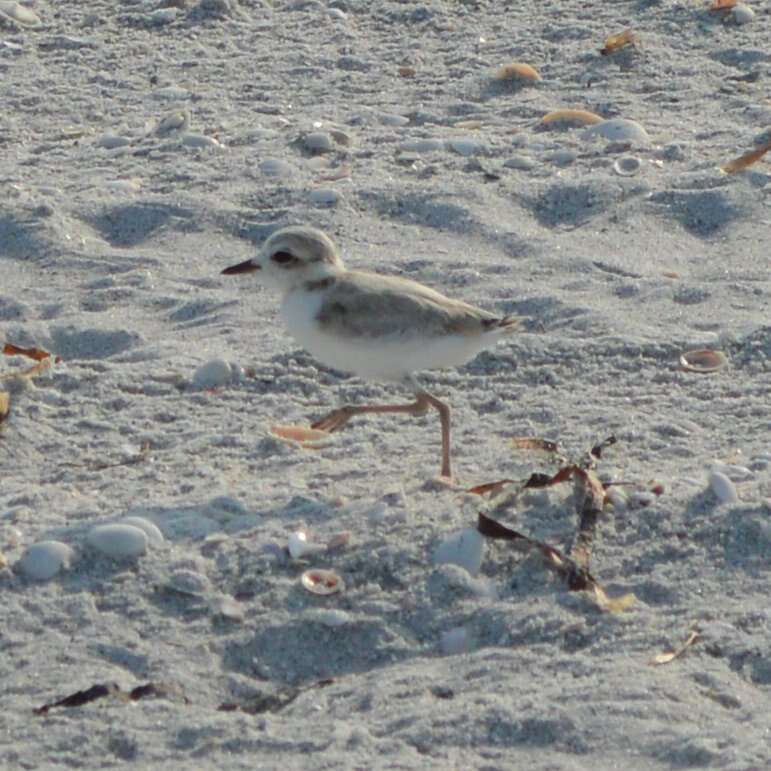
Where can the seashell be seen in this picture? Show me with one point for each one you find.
(213, 374)
(331, 617)
(407, 72)
(190, 583)
(569, 118)
(627, 166)
(305, 436)
(517, 71)
(324, 196)
(320, 581)
(154, 535)
(18, 13)
(742, 14)
(620, 40)
(44, 560)
(618, 130)
(118, 541)
(5, 405)
(703, 361)
(723, 487)
(228, 608)
(299, 545)
(111, 141)
(172, 93)
(464, 547)
(201, 141)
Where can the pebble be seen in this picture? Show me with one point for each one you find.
(214, 374)
(44, 560)
(464, 548)
(111, 141)
(331, 617)
(226, 607)
(189, 582)
(563, 157)
(519, 162)
(163, 16)
(172, 93)
(465, 146)
(151, 530)
(324, 196)
(455, 641)
(618, 130)
(118, 541)
(319, 142)
(723, 487)
(124, 185)
(742, 14)
(19, 13)
(733, 471)
(275, 167)
(391, 119)
(201, 141)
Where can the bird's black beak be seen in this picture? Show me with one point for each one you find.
(247, 266)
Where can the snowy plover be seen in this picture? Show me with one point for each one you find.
(379, 327)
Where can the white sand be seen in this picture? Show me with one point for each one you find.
(112, 237)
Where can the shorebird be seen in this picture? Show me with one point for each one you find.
(374, 326)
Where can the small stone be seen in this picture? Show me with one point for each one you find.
(324, 196)
(563, 157)
(275, 167)
(391, 119)
(519, 162)
(154, 535)
(422, 146)
(163, 16)
(44, 560)
(201, 141)
(465, 147)
(228, 608)
(618, 130)
(319, 142)
(111, 141)
(118, 541)
(723, 488)
(331, 617)
(213, 374)
(742, 14)
(464, 548)
(189, 582)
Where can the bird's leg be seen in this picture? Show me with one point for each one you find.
(336, 419)
(339, 417)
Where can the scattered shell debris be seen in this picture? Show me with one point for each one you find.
(703, 361)
(321, 581)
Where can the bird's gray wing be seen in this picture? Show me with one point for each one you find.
(369, 305)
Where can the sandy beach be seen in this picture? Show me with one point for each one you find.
(144, 147)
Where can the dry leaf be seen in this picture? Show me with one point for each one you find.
(620, 40)
(493, 488)
(746, 160)
(33, 353)
(665, 658)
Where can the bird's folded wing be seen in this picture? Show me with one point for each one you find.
(369, 305)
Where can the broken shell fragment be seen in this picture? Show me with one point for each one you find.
(517, 71)
(627, 166)
(570, 118)
(299, 545)
(703, 361)
(320, 581)
(299, 434)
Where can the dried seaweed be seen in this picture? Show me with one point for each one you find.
(665, 658)
(103, 690)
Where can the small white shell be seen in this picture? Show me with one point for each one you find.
(618, 130)
(742, 14)
(320, 581)
(627, 165)
(154, 535)
(213, 374)
(18, 13)
(118, 541)
(44, 560)
(464, 548)
(723, 488)
(299, 545)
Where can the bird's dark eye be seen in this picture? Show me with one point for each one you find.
(282, 258)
